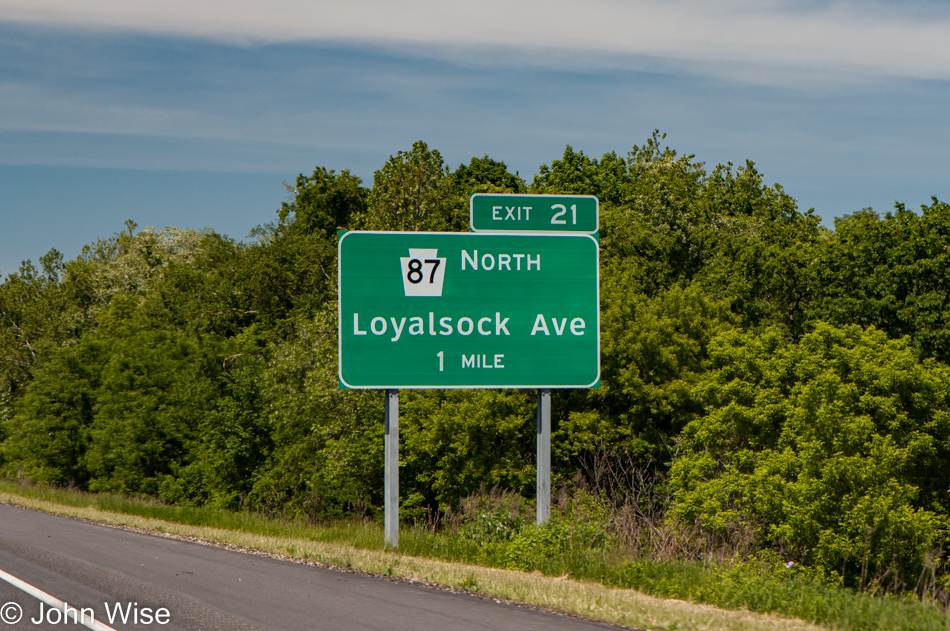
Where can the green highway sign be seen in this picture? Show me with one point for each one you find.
(534, 213)
(463, 310)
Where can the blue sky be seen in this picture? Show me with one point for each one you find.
(183, 114)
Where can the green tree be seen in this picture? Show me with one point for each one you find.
(154, 387)
(654, 350)
(151, 400)
(413, 192)
(655, 230)
(328, 443)
(233, 440)
(578, 174)
(761, 249)
(201, 294)
(324, 203)
(291, 270)
(455, 442)
(892, 272)
(34, 317)
(833, 450)
(484, 175)
(48, 436)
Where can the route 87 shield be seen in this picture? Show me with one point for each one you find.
(464, 310)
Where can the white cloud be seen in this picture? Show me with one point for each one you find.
(748, 39)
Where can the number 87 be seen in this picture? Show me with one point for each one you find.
(414, 275)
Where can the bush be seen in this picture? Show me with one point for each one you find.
(833, 451)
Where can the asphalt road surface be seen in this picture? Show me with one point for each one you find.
(104, 573)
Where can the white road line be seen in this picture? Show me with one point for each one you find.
(39, 594)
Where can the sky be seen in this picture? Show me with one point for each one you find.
(195, 113)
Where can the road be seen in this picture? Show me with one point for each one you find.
(177, 585)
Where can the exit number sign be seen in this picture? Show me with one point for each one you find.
(534, 213)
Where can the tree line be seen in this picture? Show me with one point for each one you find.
(764, 379)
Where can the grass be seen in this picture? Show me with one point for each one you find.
(596, 581)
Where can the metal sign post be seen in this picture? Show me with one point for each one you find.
(391, 467)
(543, 502)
